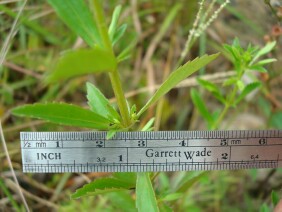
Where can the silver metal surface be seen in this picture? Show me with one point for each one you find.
(150, 151)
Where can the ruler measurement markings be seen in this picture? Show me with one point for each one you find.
(276, 135)
(272, 141)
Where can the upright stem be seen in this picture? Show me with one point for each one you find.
(101, 24)
(114, 75)
(119, 94)
(230, 102)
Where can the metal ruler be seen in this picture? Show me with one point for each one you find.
(150, 151)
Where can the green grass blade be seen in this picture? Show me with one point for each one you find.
(177, 76)
(82, 61)
(65, 114)
(77, 17)
(99, 104)
(45, 34)
(145, 195)
(5, 190)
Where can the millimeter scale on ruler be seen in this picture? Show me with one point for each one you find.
(57, 152)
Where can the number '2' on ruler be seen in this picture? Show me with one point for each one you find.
(57, 152)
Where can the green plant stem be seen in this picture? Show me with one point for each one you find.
(226, 108)
(230, 100)
(101, 23)
(114, 75)
(119, 94)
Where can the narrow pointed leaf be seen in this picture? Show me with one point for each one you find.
(101, 184)
(119, 33)
(76, 15)
(177, 76)
(258, 69)
(145, 195)
(99, 104)
(65, 114)
(208, 85)
(248, 89)
(149, 125)
(267, 48)
(266, 61)
(213, 88)
(126, 53)
(82, 61)
(171, 197)
(200, 105)
(114, 21)
(230, 50)
(111, 133)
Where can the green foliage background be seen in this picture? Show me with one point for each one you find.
(148, 40)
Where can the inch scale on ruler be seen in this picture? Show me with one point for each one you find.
(55, 152)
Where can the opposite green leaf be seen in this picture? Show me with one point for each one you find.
(177, 76)
(77, 16)
(101, 184)
(82, 61)
(65, 114)
(145, 195)
(248, 89)
(99, 104)
(200, 105)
